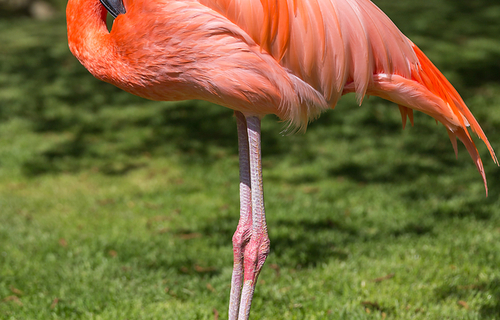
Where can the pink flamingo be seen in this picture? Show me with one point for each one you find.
(292, 58)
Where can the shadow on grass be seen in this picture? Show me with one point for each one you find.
(192, 130)
(301, 242)
(479, 210)
(489, 309)
(375, 173)
(301, 246)
(415, 229)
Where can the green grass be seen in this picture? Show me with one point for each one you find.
(113, 207)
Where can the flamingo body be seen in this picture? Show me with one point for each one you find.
(292, 58)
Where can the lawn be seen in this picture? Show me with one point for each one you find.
(115, 207)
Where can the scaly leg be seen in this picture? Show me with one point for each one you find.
(256, 250)
(244, 229)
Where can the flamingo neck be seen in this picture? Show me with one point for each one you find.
(88, 37)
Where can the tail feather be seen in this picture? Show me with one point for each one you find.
(429, 76)
(453, 140)
(430, 92)
(464, 136)
(406, 113)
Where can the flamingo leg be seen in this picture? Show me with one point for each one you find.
(256, 250)
(244, 229)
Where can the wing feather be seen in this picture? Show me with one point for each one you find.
(326, 43)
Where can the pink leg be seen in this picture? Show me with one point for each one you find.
(257, 249)
(244, 229)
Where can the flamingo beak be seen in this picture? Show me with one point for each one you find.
(114, 7)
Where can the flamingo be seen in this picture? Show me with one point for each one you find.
(291, 58)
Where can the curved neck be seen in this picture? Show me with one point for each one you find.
(88, 36)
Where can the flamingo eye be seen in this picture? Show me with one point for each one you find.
(114, 7)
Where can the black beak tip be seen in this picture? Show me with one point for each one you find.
(114, 7)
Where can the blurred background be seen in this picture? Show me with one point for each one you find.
(112, 204)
